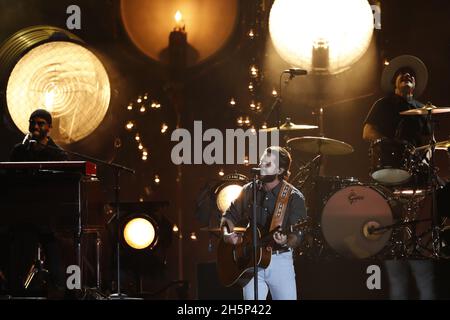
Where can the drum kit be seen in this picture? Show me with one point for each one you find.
(376, 220)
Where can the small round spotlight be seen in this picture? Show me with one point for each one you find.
(227, 195)
(228, 190)
(140, 233)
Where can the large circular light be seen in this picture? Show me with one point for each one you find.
(227, 195)
(139, 233)
(338, 32)
(66, 79)
(209, 25)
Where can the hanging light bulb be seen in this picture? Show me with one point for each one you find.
(129, 125)
(142, 110)
(250, 86)
(175, 228)
(253, 71)
(232, 102)
(240, 121)
(251, 34)
(164, 128)
(146, 96)
(139, 100)
(252, 105)
(221, 173)
(274, 93)
(140, 147)
(264, 125)
(157, 179)
(137, 137)
(130, 107)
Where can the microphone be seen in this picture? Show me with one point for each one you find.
(296, 72)
(27, 138)
(256, 170)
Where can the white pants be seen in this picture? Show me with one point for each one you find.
(278, 277)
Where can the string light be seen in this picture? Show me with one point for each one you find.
(144, 152)
(247, 121)
(130, 107)
(232, 102)
(221, 173)
(140, 147)
(144, 158)
(264, 125)
(142, 110)
(129, 125)
(252, 105)
(175, 228)
(157, 179)
(250, 86)
(137, 137)
(155, 105)
(193, 236)
(253, 71)
(240, 121)
(386, 62)
(251, 34)
(164, 128)
(146, 96)
(274, 93)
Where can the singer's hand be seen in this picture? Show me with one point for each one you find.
(280, 238)
(232, 238)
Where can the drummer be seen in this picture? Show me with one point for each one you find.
(403, 79)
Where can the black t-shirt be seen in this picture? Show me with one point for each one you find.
(25, 152)
(385, 116)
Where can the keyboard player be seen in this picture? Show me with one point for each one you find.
(34, 146)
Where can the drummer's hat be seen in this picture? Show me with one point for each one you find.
(405, 62)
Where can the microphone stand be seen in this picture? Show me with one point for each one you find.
(255, 237)
(117, 169)
(277, 103)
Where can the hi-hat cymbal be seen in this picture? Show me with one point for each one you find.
(217, 229)
(428, 108)
(290, 126)
(320, 145)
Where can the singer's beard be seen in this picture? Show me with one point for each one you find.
(268, 178)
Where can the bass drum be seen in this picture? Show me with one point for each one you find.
(348, 217)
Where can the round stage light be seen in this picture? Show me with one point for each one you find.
(227, 195)
(139, 233)
(321, 36)
(67, 80)
(208, 24)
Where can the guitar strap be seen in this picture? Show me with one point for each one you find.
(281, 205)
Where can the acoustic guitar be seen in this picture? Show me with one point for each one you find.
(235, 262)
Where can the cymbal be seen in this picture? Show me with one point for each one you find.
(425, 110)
(217, 229)
(320, 145)
(290, 126)
(441, 145)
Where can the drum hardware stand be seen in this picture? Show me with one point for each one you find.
(36, 269)
(432, 181)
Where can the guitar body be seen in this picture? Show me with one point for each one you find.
(235, 263)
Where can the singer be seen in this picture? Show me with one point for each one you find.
(34, 146)
(279, 276)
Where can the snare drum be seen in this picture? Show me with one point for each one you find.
(390, 161)
(349, 216)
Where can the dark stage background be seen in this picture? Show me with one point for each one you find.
(419, 28)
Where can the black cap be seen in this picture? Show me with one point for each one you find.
(41, 113)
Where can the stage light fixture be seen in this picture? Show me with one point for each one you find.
(228, 190)
(52, 70)
(325, 36)
(140, 233)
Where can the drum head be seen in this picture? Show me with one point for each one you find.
(391, 176)
(348, 216)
